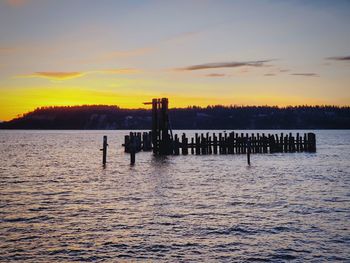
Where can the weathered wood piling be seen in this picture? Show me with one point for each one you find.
(104, 150)
(226, 143)
(162, 142)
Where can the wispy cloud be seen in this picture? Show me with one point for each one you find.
(257, 63)
(215, 75)
(343, 58)
(57, 75)
(269, 74)
(305, 74)
(53, 75)
(16, 3)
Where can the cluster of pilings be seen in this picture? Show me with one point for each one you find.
(162, 142)
(137, 141)
(230, 143)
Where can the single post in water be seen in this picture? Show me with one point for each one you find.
(104, 150)
(248, 151)
(132, 149)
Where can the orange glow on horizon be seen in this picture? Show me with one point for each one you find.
(17, 102)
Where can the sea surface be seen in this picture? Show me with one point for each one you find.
(58, 204)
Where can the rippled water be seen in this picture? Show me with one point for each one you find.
(59, 204)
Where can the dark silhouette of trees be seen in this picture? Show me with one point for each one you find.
(192, 117)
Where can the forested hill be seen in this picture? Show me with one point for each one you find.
(211, 117)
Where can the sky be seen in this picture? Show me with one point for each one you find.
(195, 52)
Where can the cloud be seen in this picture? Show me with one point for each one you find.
(258, 63)
(344, 58)
(16, 3)
(56, 75)
(305, 74)
(213, 75)
(269, 74)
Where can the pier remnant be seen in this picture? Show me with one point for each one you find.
(162, 142)
(104, 150)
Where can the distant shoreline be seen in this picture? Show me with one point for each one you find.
(105, 117)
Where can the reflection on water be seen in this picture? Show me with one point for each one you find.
(59, 204)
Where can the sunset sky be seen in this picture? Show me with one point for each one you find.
(200, 52)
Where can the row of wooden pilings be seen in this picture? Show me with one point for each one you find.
(223, 143)
(227, 143)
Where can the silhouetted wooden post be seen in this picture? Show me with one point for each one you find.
(132, 148)
(271, 143)
(155, 125)
(285, 143)
(220, 143)
(253, 143)
(237, 143)
(210, 151)
(192, 145)
(248, 151)
(224, 148)
(281, 143)
(176, 145)
(306, 149)
(104, 150)
(292, 143)
(264, 143)
(202, 144)
(184, 144)
(297, 142)
(215, 143)
(230, 145)
(197, 144)
(312, 142)
(257, 144)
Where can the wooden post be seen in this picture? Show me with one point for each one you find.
(220, 143)
(176, 145)
(258, 143)
(104, 150)
(248, 151)
(312, 142)
(202, 144)
(281, 142)
(215, 143)
(197, 144)
(237, 143)
(210, 151)
(306, 148)
(252, 144)
(298, 142)
(184, 144)
(207, 142)
(224, 148)
(271, 143)
(264, 143)
(285, 143)
(132, 154)
(155, 125)
(132, 147)
(192, 145)
(243, 144)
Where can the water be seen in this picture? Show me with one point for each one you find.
(59, 205)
